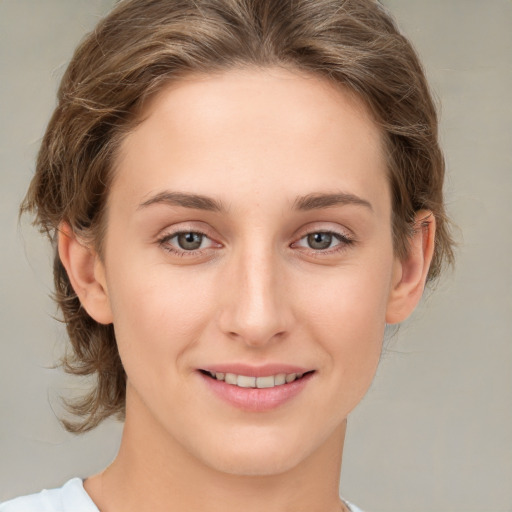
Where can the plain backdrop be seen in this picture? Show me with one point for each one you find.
(434, 432)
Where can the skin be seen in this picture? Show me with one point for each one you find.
(255, 292)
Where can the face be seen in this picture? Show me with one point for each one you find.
(249, 243)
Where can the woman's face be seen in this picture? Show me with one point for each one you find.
(249, 234)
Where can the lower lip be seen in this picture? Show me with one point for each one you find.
(256, 399)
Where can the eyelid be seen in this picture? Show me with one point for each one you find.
(171, 236)
(344, 237)
(170, 233)
(186, 227)
(323, 227)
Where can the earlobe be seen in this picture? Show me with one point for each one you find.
(86, 274)
(410, 274)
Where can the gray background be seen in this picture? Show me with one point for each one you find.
(435, 430)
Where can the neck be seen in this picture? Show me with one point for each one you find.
(154, 472)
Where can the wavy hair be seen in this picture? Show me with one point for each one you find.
(140, 47)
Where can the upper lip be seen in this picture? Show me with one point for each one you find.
(255, 371)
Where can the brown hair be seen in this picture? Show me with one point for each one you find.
(141, 46)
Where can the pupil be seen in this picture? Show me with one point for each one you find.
(319, 240)
(190, 241)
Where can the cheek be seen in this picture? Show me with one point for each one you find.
(351, 300)
(158, 315)
(347, 320)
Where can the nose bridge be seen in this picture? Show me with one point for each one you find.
(254, 310)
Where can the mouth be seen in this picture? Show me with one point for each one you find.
(256, 393)
(246, 381)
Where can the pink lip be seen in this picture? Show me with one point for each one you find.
(255, 399)
(255, 371)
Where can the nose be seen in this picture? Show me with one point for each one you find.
(256, 309)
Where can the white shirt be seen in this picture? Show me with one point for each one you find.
(71, 497)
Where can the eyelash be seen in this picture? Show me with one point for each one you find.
(164, 243)
(344, 242)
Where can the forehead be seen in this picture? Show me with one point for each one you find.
(262, 130)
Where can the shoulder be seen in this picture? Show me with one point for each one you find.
(71, 497)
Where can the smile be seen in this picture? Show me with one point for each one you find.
(256, 389)
(245, 381)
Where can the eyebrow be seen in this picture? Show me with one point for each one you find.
(314, 201)
(318, 201)
(194, 201)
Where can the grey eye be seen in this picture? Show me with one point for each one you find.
(319, 241)
(190, 241)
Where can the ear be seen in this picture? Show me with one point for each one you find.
(86, 274)
(410, 274)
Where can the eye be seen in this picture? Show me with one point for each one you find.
(319, 241)
(324, 241)
(189, 241)
(183, 242)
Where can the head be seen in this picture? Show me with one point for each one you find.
(143, 52)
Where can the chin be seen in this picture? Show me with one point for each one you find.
(255, 455)
(262, 464)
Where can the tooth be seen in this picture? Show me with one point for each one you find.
(230, 378)
(246, 382)
(265, 382)
(280, 379)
